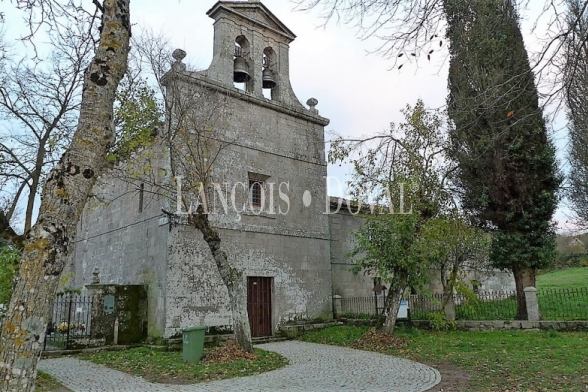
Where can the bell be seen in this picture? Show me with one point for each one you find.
(241, 70)
(268, 79)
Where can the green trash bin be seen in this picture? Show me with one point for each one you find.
(193, 343)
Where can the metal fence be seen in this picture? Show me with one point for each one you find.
(554, 305)
(487, 305)
(362, 307)
(70, 321)
(563, 304)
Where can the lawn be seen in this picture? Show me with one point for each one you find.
(168, 367)
(46, 383)
(496, 361)
(563, 279)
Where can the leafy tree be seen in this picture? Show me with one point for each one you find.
(138, 117)
(393, 248)
(459, 246)
(420, 227)
(9, 258)
(507, 172)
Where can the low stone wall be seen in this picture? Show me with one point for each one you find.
(294, 330)
(471, 325)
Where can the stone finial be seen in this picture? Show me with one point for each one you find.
(312, 102)
(179, 55)
(95, 276)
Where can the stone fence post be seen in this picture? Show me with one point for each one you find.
(336, 306)
(532, 303)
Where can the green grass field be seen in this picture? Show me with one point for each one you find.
(496, 361)
(563, 279)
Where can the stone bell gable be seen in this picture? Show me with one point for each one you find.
(251, 46)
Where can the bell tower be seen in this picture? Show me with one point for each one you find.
(251, 50)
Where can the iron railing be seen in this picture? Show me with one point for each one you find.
(487, 305)
(70, 321)
(554, 305)
(563, 304)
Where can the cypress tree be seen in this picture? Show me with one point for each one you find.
(508, 174)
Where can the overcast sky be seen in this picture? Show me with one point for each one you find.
(359, 92)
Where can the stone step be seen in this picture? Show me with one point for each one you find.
(268, 339)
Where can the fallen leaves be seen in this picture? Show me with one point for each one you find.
(228, 353)
(380, 342)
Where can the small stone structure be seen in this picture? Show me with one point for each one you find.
(119, 313)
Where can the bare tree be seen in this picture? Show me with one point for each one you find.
(576, 75)
(39, 101)
(195, 142)
(406, 28)
(413, 30)
(193, 137)
(65, 192)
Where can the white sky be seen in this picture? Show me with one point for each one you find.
(358, 92)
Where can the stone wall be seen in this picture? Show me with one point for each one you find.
(299, 267)
(468, 325)
(124, 245)
(342, 225)
(287, 238)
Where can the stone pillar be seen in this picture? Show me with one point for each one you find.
(532, 303)
(336, 306)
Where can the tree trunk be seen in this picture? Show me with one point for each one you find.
(448, 287)
(31, 199)
(64, 195)
(392, 305)
(231, 277)
(524, 277)
(7, 233)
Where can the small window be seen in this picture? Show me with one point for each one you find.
(256, 189)
(255, 192)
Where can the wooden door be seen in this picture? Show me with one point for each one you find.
(259, 305)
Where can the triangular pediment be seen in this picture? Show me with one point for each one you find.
(253, 11)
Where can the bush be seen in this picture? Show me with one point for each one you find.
(9, 260)
(440, 323)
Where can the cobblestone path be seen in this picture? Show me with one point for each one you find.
(313, 367)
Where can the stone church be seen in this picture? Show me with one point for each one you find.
(292, 254)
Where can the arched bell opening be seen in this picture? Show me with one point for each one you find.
(268, 76)
(241, 70)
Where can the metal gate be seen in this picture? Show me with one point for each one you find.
(259, 305)
(70, 321)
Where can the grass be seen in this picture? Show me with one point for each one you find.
(497, 361)
(46, 383)
(168, 367)
(563, 279)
